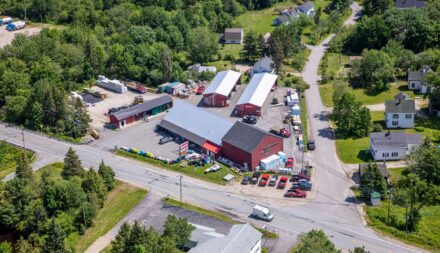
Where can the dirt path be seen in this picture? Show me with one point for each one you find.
(7, 37)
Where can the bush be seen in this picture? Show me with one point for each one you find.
(229, 57)
(377, 128)
(419, 129)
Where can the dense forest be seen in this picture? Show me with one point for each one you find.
(39, 212)
(148, 41)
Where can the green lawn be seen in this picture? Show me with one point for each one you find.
(116, 205)
(107, 249)
(214, 214)
(192, 171)
(395, 173)
(363, 96)
(53, 169)
(9, 155)
(353, 150)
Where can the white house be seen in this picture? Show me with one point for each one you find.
(233, 36)
(400, 112)
(241, 238)
(307, 8)
(264, 65)
(386, 146)
(417, 80)
(199, 68)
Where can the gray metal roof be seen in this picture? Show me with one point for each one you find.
(308, 5)
(394, 139)
(410, 4)
(233, 33)
(283, 18)
(245, 137)
(419, 75)
(195, 124)
(400, 106)
(241, 238)
(266, 63)
(145, 106)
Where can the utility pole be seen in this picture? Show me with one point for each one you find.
(22, 138)
(389, 206)
(180, 177)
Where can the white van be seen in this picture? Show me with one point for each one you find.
(262, 213)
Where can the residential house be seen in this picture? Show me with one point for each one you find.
(233, 36)
(417, 80)
(264, 65)
(307, 8)
(405, 4)
(199, 68)
(242, 238)
(386, 146)
(400, 112)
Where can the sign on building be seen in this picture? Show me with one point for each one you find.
(183, 148)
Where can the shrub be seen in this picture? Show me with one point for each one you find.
(377, 128)
(419, 129)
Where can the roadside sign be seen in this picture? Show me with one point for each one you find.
(183, 148)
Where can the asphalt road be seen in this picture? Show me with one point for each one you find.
(332, 209)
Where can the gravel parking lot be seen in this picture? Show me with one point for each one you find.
(7, 37)
(98, 111)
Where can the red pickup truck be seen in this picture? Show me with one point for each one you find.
(297, 193)
(264, 180)
(282, 183)
(289, 162)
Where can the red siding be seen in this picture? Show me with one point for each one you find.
(216, 100)
(128, 120)
(248, 109)
(270, 145)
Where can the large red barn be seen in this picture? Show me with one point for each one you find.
(255, 94)
(248, 145)
(219, 91)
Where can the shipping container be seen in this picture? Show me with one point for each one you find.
(13, 26)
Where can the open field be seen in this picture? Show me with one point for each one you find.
(9, 155)
(363, 96)
(117, 204)
(197, 172)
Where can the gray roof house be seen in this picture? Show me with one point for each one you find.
(400, 112)
(417, 80)
(264, 65)
(404, 4)
(392, 145)
(241, 238)
(233, 36)
(199, 68)
(307, 8)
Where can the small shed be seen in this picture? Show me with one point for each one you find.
(375, 198)
(171, 88)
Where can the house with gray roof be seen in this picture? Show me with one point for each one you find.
(307, 8)
(264, 65)
(400, 112)
(405, 4)
(417, 80)
(385, 146)
(233, 36)
(200, 68)
(242, 238)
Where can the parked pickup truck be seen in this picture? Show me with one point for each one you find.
(264, 180)
(297, 193)
(280, 131)
(289, 162)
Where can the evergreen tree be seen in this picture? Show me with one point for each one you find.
(54, 242)
(315, 241)
(5, 247)
(72, 165)
(122, 239)
(108, 175)
(24, 170)
(373, 180)
(93, 183)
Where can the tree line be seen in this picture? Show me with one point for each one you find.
(40, 213)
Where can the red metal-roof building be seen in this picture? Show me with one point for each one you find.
(220, 89)
(247, 145)
(255, 94)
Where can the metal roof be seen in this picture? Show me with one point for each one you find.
(233, 33)
(266, 63)
(223, 83)
(198, 124)
(245, 137)
(258, 89)
(394, 139)
(145, 106)
(410, 3)
(400, 106)
(241, 238)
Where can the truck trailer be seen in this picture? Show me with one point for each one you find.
(4, 21)
(13, 26)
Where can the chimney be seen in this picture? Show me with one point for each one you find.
(398, 101)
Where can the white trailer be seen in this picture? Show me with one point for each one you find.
(5, 21)
(114, 85)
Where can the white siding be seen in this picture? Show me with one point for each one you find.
(402, 121)
(414, 85)
(387, 154)
(256, 248)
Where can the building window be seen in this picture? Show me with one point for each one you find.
(394, 154)
(395, 116)
(408, 116)
(413, 85)
(395, 123)
(385, 154)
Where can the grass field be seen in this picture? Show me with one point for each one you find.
(116, 205)
(214, 214)
(363, 96)
(192, 171)
(9, 155)
(353, 150)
